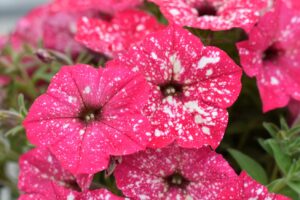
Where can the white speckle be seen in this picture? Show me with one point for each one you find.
(49, 159)
(190, 137)
(207, 60)
(198, 119)
(135, 69)
(259, 191)
(153, 55)
(81, 132)
(209, 72)
(158, 133)
(205, 130)
(177, 68)
(274, 81)
(148, 133)
(72, 99)
(188, 197)
(87, 90)
(143, 197)
(187, 93)
(66, 126)
(85, 20)
(174, 11)
(140, 27)
(71, 196)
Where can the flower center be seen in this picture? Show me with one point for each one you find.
(271, 53)
(171, 89)
(90, 114)
(176, 180)
(105, 17)
(206, 10)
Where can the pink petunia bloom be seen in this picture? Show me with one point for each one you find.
(55, 28)
(88, 114)
(272, 56)
(174, 173)
(253, 190)
(185, 174)
(213, 14)
(42, 177)
(247, 188)
(105, 6)
(111, 37)
(191, 87)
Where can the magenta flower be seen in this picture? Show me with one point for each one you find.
(105, 6)
(247, 188)
(42, 177)
(56, 28)
(272, 55)
(213, 14)
(88, 114)
(174, 173)
(253, 190)
(191, 87)
(111, 37)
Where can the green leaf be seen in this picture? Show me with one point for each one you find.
(282, 160)
(253, 168)
(265, 145)
(295, 186)
(271, 128)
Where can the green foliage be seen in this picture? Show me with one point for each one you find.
(284, 147)
(253, 168)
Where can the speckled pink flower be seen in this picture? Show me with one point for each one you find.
(106, 6)
(174, 173)
(253, 190)
(247, 188)
(272, 55)
(42, 177)
(55, 28)
(191, 87)
(213, 14)
(88, 114)
(111, 37)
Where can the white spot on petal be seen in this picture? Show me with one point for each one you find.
(207, 60)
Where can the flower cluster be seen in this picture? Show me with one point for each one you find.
(159, 104)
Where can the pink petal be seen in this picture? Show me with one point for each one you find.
(42, 174)
(100, 194)
(127, 27)
(252, 189)
(107, 6)
(143, 174)
(115, 97)
(210, 82)
(229, 14)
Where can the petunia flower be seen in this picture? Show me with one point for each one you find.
(213, 14)
(272, 56)
(253, 190)
(185, 174)
(42, 177)
(55, 28)
(174, 173)
(191, 87)
(111, 37)
(88, 114)
(105, 6)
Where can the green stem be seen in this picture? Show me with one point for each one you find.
(274, 173)
(278, 186)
